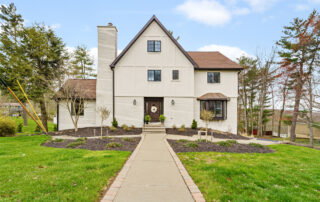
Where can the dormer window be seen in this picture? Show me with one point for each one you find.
(154, 46)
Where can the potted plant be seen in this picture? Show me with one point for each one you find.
(147, 119)
(162, 118)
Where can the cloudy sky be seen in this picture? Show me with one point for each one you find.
(233, 27)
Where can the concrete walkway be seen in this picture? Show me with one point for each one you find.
(153, 175)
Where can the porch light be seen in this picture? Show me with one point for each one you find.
(134, 102)
(172, 102)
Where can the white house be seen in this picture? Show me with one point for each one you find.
(154, 75)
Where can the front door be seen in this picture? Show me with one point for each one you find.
(154, 108)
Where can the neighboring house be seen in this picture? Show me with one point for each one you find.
(154, 75)
(11, 109)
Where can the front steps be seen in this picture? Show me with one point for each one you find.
(154, 128)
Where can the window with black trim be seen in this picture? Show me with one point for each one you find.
(154, 46)
(77, 108)
(175, 74)
(213, 77)
(217, 107)
(154, 75)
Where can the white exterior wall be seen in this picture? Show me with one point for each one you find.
(131, 81)
(88, 120)
(229, 87)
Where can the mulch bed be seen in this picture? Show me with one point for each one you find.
(179, 146)
(127, 144)
(191, 132)
(95, 131)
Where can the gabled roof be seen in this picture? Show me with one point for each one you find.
(213, 61)
(155, 19)
(86, 88)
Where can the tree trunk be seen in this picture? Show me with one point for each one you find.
(280, 121)
(295, 112)
(44, 115)
(25, 116)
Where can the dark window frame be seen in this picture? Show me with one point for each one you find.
(177, 75)
(154, 75)
(76, 108)
(154, 46)
(207, 104)
(213, 77)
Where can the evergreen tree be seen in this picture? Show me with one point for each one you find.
(82, 63)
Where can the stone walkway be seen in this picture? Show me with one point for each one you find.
(153, 175)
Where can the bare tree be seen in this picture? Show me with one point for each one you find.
(73, 97)
(206, 116)
(104, 115)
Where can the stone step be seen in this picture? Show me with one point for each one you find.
(155, 130)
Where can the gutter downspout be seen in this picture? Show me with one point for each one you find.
(113, 105)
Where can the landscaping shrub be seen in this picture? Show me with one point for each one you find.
(113, 145)
(256, 145)
(202, 140)
(7, 127)
(194, 124)
(19, 127)
(37, 129)
(182, 128)
(183, 141)
(125, 127)
(114, 123)
(191, 145)
(58, 140)
(162, 118)
(112, 128)
(128, 139)
(147, 118)
(174, 127)
(227, 143)
(77, 142)
(203, 129)
(133, 127)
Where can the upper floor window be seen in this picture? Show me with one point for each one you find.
(154, 46)
(175, 74)
(154, 75)
(213, 77)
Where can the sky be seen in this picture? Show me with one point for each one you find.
(233, 27)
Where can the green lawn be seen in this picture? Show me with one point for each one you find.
(30, 172)
(292, 173)
(30, 128)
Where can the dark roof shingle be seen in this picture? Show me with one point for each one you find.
(85, 87)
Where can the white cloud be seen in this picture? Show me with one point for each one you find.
(260, 5)
(55, 26)
(205, 11)
(230, 51)
(302, 7)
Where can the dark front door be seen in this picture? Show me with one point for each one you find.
(154, 108)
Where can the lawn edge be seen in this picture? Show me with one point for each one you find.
(193, 188)
(112, 190)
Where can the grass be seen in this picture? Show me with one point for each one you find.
(290, 174)
(227, 143)
(113, 145)
(256, 145)
(30, 172)
(30, 128)
(191, 145)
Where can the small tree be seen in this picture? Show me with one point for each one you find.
(104, 115)
(206, 116)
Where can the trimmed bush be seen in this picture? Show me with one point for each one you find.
(125, 127)
(194, 124)
(114, 123)
(147, 118)
(182, 128)
(256, 145)
(174, 127)
(112, 128)
(55, 127)
(191, 145)
(162, 118)
(19, 127)
(133, 127)
(7, 127)
(113, 145)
